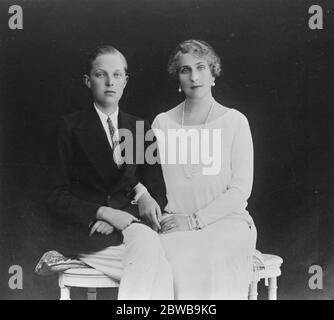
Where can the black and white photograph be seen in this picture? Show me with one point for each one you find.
(171, 150)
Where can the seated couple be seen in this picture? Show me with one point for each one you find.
(165, 231)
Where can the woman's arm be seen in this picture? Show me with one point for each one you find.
(240, 186)
(150, 174)
(151, 203)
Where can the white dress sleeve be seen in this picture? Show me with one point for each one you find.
(240, 185)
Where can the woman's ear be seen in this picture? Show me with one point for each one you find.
(86, 80)
(213, 81)
(126, 80)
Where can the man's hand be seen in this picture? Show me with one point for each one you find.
(101, 227)
(117, 218)
(149, 210)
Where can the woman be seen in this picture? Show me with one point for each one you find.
(208, 235)
(93, 188)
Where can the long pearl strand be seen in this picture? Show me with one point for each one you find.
(189, 170)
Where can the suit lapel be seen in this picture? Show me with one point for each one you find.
(94, 142)
(126, 122)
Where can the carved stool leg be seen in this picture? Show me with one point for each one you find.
(91, 294)
(253, 291)
(65, 293)
(272, 289)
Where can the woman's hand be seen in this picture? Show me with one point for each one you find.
(174, 222)
(101, 227)
(117, 218)
(149, 211)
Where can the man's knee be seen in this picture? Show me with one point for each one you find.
(142, 245)
(140, 233)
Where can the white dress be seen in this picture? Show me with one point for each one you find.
(216, 261)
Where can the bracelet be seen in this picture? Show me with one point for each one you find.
(190, 223)
(193, 222)
(197, 223)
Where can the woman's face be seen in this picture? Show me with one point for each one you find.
(107, 79)
(195, 76)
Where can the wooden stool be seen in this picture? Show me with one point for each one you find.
(92, 279)
(270, 273)
(86, 278)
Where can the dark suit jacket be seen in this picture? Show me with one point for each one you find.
(86, 177)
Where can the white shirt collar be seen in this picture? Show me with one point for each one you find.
(104, 117)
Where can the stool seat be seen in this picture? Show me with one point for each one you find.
(91, 278)
(84, 271)
(270, 272)
(84, 277)
(272, 267)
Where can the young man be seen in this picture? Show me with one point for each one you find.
(93, 189)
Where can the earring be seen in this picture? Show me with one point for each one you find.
(179, 89)
(213, 84)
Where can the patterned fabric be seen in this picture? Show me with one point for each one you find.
(53, 261)
(112, 133)
(115, 143)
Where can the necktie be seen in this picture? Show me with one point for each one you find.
(115, 142)
(112, 133)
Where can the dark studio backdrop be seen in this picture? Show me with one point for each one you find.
(277, 71)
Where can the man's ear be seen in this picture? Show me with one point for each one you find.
(86, 80)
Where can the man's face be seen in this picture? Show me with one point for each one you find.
(107, 79)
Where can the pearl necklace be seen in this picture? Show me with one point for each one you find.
(189, 170)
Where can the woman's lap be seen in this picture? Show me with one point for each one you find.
(212, 260)
(227, 236)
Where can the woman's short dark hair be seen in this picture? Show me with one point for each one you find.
(100, 50)
(198, 48)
